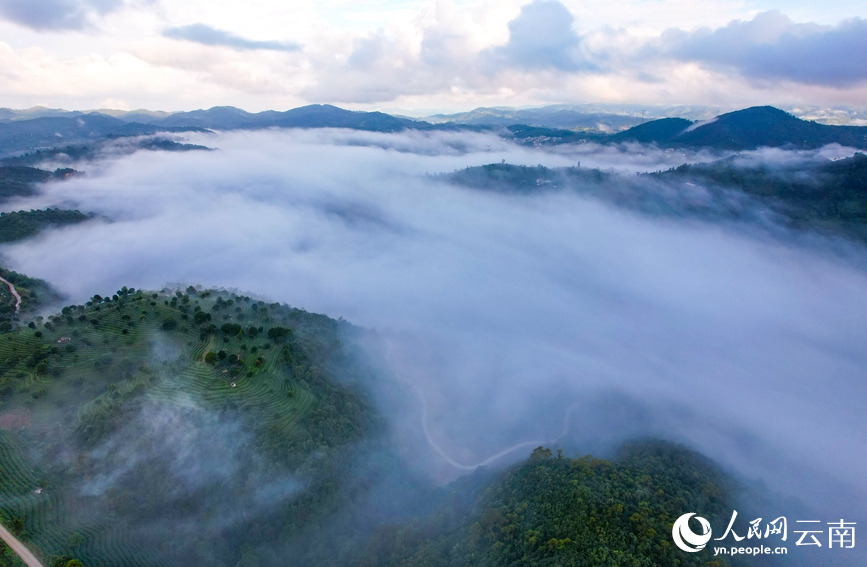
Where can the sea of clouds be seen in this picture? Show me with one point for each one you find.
(516, 320)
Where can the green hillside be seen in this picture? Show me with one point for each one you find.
(830, 197)
(18, 225)
(95, 150)
(35, 294)
(552, 511)
(83, 383)
(19, 181)
(821, 196)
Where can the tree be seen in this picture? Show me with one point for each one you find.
(17, 526)
(75, 563)
(211, 357)
(540, 453)
(169, 324)
(275, 333)
(230, 329)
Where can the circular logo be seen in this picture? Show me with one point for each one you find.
(685, 538)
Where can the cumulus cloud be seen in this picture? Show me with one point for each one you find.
(542, 37)
(206, 35)
(772, 47)
(56, 14)
(443, 56)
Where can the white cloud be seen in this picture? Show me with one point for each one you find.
(772, 47)
(206, 35)
(429, 54)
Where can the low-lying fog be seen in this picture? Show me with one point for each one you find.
(515, 318)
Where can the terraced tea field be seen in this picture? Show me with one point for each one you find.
(73, 385)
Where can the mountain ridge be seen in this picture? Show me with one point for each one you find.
(746, 129)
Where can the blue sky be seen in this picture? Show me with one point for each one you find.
(432, 54)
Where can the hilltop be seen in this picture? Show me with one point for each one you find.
(748, 129)
(264, 383)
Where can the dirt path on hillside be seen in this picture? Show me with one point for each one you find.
(18, 547)
(433, 444)
(14, 292)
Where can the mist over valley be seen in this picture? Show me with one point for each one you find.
(492, 298)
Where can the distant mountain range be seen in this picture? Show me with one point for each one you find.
(24, 136)
(27, 135)
(42, 129)
(548, 117)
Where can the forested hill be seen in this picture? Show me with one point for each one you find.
(99, 148)
(19, 225)
(829, 196)
(20, 181)
(552, 510)
(45, 132)
(311, 116)
(748, 129)
(815, 195)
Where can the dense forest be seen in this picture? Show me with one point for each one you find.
(829, 196)
(552, 510)
(19, 225)
(96, 150)
(34, 293)
(19, 181)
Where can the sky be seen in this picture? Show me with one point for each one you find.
(422, 55)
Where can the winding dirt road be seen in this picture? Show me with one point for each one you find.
(28, 558)
(433, 444)
(14, 292)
